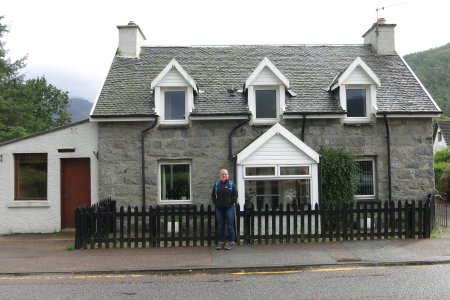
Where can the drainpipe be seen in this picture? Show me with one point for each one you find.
(230, 145)
(143, 157)
(388, 156)
(303, 128)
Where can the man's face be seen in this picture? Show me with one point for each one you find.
(223, 175)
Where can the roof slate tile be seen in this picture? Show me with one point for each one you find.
(309, 69)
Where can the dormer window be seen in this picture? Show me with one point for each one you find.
(266, 93)
(174, 105)
(357, 92)
(266, 103)
(174, 94)
(356, 102)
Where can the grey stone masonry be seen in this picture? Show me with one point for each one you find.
(206, 145)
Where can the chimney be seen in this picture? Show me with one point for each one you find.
(381, 36)
(130, 40)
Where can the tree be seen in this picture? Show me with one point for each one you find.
(27, 106)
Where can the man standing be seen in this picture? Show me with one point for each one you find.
(224, 196)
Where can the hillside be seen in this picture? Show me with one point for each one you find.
(79, 109)
(433, 69)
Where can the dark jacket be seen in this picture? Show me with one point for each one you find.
(224, 196)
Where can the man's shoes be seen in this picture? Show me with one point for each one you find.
(220, 246)
(229, 246)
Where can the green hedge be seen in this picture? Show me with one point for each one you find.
(339, 178)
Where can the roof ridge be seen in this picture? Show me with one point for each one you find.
(253, 45)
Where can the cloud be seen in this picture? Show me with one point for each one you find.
(79, 83)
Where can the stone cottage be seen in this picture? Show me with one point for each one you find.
(170, 117)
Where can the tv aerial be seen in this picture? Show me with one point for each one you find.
(384, 7)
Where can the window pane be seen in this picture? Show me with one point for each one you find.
(275, 192)
(174, 105)
(266, 103)
(356, 102)
(267, 193)
(31, 176)
(295, 170)
(365, 178)
(260, 171)
(175, 182)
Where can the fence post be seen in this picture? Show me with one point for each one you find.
(209, 218)
(427, 219)
(77, 229)
(432, 210)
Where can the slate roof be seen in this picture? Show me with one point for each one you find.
(309, 69)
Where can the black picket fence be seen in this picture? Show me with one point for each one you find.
(103, 226)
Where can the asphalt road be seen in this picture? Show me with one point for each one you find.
(358, 282)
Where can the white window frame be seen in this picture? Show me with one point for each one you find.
(374, 195)
(277, 177)
(370, 96)
(260, 176)
(279, 91)
(160, 104)
(174, 162)
(294, 176)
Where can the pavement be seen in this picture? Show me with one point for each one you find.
(27, 254)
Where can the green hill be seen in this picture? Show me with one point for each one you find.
(433, 69)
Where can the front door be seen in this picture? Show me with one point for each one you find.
(75, 188)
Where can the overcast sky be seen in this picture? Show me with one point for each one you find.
(72, 43)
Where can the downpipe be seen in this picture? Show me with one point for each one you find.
(143, 157)
(388, 143)
(230, 151)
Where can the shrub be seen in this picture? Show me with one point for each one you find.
(443, 185)
(339, 178)
(442, 171)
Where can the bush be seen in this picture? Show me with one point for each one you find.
(442, 171)
(339, 178)
(443, 185)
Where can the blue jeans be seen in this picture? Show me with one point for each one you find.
(226, 215)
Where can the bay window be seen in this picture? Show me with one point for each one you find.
(275, 185)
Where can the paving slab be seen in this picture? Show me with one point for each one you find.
(52, 253)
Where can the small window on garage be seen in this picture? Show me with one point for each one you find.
(30, 176)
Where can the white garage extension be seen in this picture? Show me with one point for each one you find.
(45, 176)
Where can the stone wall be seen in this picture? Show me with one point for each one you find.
(206, 144)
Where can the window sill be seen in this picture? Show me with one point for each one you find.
(28, 203)
(358, 122)
(175, 202)
(363, 199)
(174, 125)
(265, 122)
